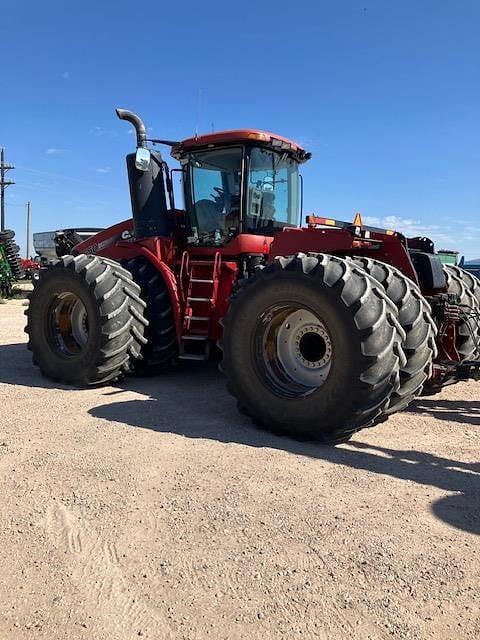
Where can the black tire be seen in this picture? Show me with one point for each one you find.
(472, 284)
(110, 325)
(414, 315)
(364, 343)
(8, 234)
(5, 290)
(467, 328)
(161, 350)
(471, 281)
(11, 253)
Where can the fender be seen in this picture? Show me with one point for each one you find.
(122, 231)
(170, 282)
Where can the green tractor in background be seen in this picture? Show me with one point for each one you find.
(10, 263)
(6, 277)
(447, 256)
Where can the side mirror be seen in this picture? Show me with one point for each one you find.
(142, 159)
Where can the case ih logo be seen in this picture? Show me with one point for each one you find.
(96, 247)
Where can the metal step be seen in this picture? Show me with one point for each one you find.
(202, 280)
(192, 356)
(198, 318)
(199, 299)
(201, 262)
(195, 337)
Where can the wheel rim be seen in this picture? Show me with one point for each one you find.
(68, 324)
(293, 350)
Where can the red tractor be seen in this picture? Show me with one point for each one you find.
(324, 328)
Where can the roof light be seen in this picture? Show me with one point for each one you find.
(257, 136)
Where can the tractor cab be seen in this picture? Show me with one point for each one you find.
(239, 181)
(243, 181)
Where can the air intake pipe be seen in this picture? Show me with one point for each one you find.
(147, 185)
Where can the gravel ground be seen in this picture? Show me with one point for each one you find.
(153, 509)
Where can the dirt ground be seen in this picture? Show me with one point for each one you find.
(153, 509)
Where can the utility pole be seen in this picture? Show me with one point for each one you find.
(28, 230)
(3, 183)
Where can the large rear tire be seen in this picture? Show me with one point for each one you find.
(85, 321)
(414, 315)
(161, 349)
(312, 347)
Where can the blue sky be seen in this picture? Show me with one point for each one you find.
(385, 94)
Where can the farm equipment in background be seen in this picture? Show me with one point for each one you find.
(473, 266)
(6, 277)
(446, 256)
(10, 263)
(324, 329)
(31, 268)
(50, 245)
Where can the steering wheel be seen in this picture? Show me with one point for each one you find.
(218, 196)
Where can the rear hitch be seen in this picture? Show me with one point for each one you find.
(468, 371)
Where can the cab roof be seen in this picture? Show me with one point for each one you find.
(241, 136)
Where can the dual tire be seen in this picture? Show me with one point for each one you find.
(86, 321)
(467, 288)
(415, 318)
(314, 347)
(91, 320)
(161, 349)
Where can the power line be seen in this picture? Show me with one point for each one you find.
(3, 184)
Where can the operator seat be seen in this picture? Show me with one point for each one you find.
(208, 215)
(268, 205)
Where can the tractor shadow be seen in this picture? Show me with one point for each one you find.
(465, 411)
(193, 403)
(16, 368)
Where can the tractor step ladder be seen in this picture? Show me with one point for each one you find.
(202, 278)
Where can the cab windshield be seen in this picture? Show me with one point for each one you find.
(272, 192)
(223, 201)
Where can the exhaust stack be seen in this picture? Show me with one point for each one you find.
(137, 122)
(147, 185)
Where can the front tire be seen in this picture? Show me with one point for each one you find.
(311, 347)
(85, 321)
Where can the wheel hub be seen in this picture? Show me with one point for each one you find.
(297, 350)
(68, 324)
(313, 346)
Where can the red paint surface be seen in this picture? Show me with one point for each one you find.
(165, 254)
